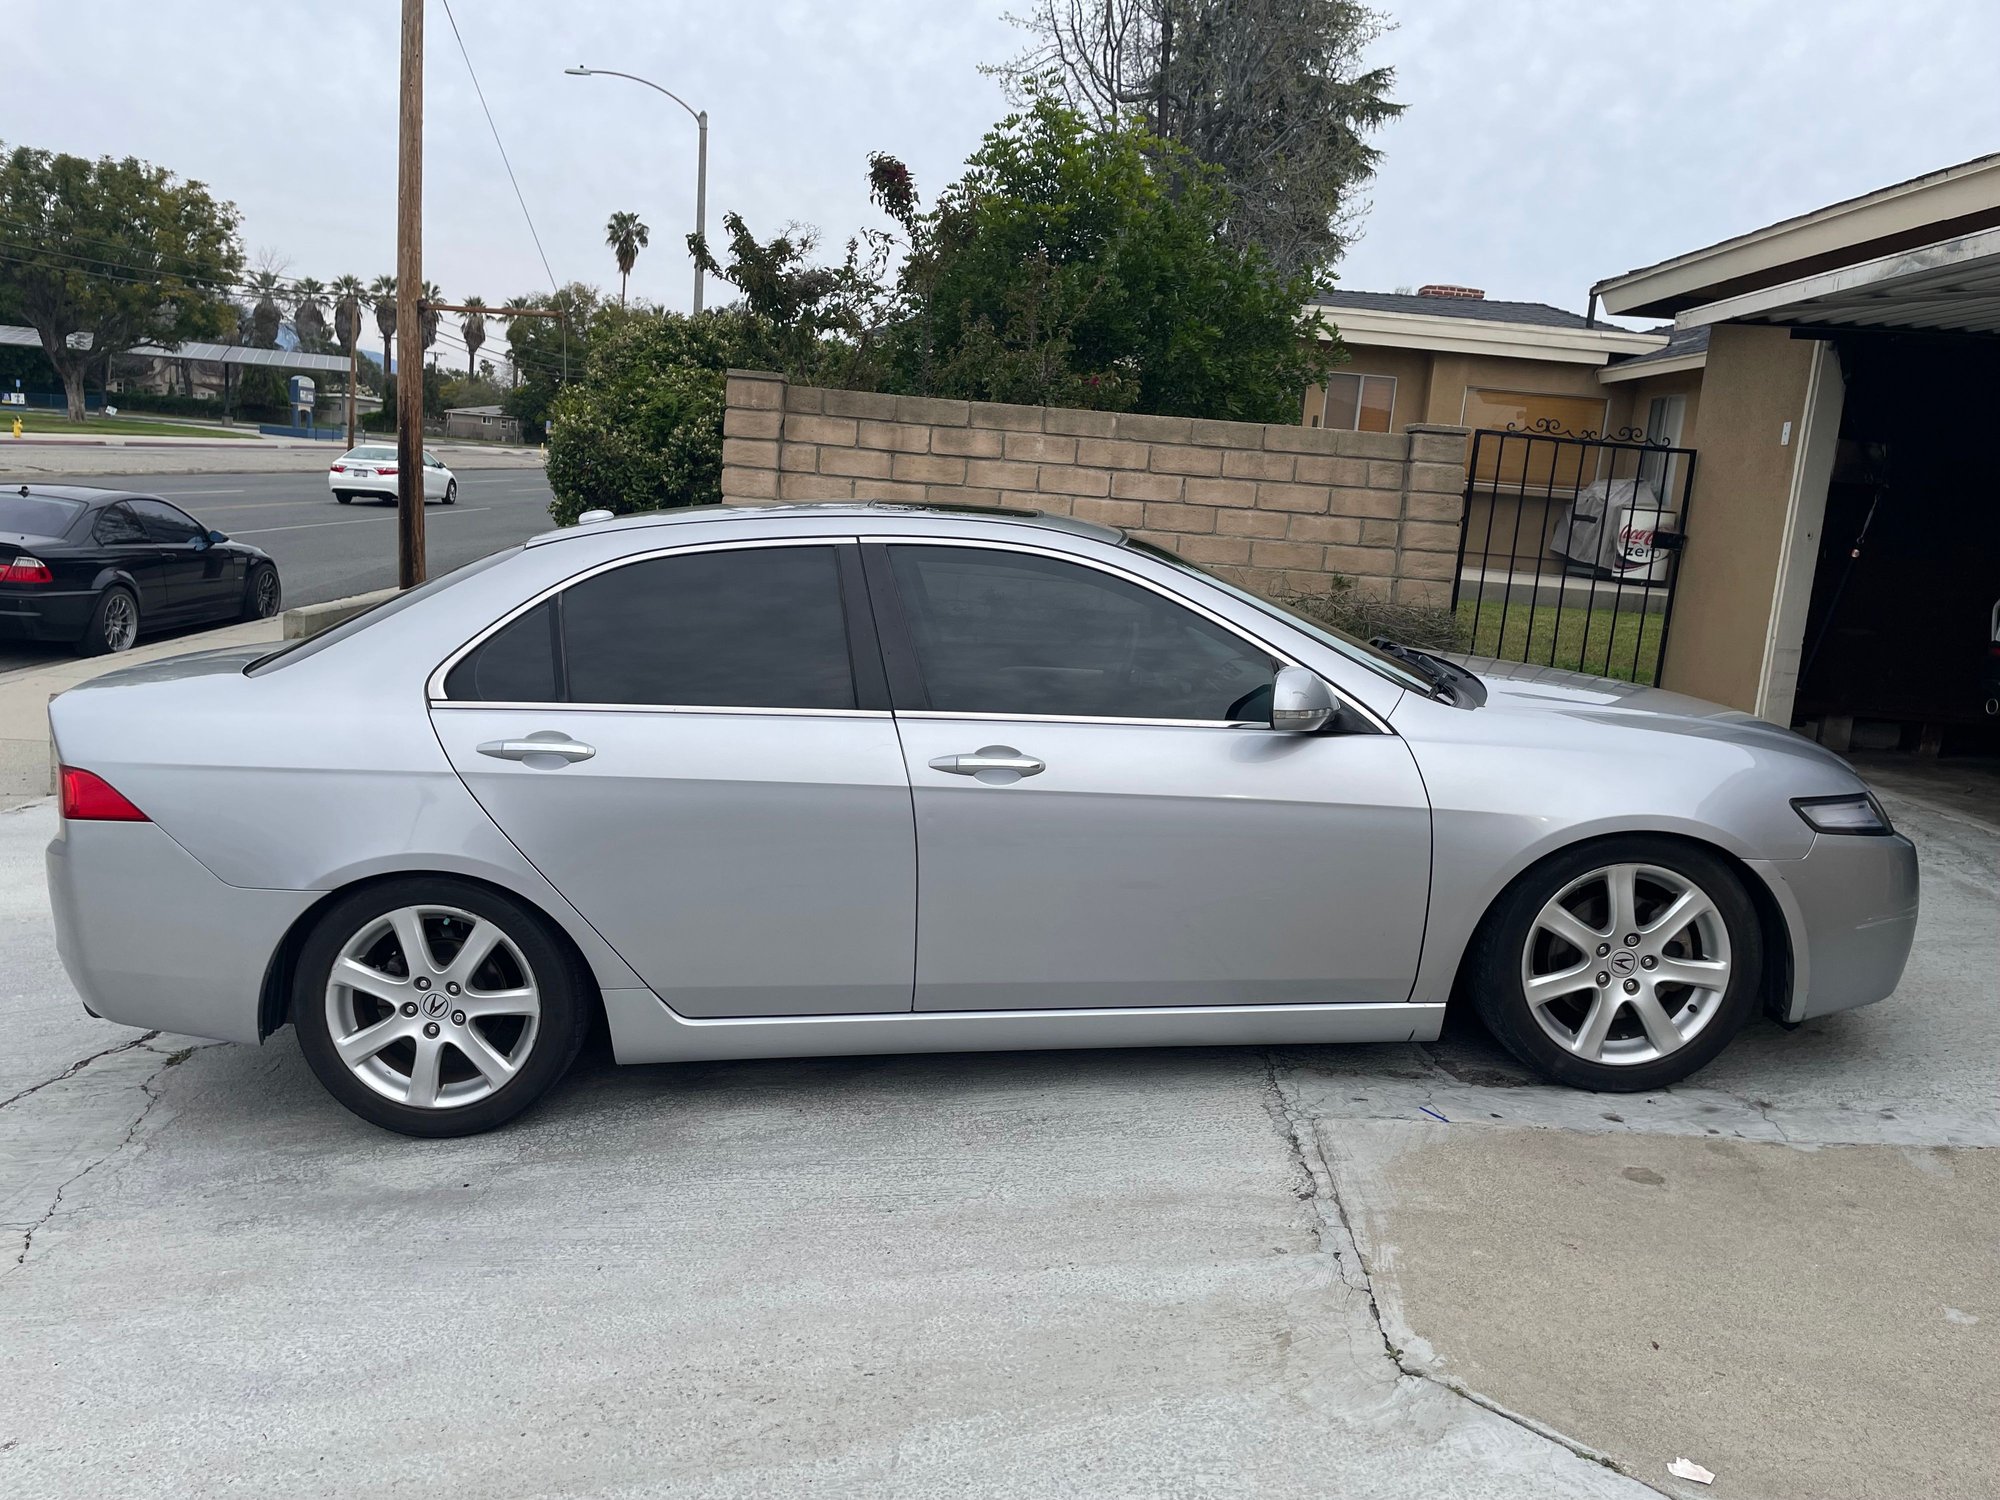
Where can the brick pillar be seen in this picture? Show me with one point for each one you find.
(1433, 507)
(753, 435)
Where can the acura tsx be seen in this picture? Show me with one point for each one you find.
(876, 778)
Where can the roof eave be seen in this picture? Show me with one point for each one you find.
(1583, 346)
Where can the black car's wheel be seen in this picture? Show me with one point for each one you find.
(114, 623)
(1619, 966)
(343, 497)
(451, 492)
(263, 597)
(436, 1007)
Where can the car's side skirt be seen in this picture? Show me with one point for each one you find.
(645, 1030)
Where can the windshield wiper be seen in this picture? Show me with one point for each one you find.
(1447, 678)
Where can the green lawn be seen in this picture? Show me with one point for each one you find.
(1526, 633)
(38, 423)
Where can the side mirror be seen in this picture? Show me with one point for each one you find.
(216, 539)
(1300, 702)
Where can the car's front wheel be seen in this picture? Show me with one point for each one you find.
(1620, 966)
(436, 1007)
(451, 492)
(262, 594)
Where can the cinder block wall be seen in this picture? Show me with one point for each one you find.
(1275, 508)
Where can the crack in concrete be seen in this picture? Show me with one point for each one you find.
(153, 1097)
(1332, 1226)
(79, 1065)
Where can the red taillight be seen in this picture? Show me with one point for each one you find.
(26, 569)
(89, 798)
(340, 468)
(390, 470)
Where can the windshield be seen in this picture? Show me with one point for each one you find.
(299, 650)
(1351, 647)
(37, 515)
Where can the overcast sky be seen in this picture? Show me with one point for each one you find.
(1547, 143)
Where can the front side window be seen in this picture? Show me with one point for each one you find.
(755, 627)
(164, 524)
(1001, 632)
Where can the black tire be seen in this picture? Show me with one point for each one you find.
(451, 492)
(1500, 952)
(564, 1019)
(107, 631)
(263, 595)
(343, 497)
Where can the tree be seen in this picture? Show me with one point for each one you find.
(627, 237)
(382, 292)
(1271, 92)
(309, 314)
(428, 296)
(548, 352)
(266, 317)
(1073, 266)
(473, 327)
(107, 254)
(349, 297)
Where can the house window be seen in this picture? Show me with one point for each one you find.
(1359, 403)
(1664, 420)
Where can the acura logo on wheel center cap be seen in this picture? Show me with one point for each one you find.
(1624, 962)
(435, 1004)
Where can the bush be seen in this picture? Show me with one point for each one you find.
(1427, 626)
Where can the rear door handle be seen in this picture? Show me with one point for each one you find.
(1004, 759)
(547, 742)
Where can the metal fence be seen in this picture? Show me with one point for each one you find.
(1570, 548)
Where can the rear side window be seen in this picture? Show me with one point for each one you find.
(117, 527)
(758, 627)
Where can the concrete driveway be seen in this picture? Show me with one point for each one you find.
(1192, 1273)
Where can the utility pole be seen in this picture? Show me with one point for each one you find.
(410, 570)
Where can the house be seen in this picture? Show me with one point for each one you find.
(482, 422)
(1841, 567)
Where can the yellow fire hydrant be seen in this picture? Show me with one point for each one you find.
(17, 427)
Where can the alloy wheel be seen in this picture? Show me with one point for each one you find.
(1626, 964)
(432, 1006)
(121, 621)
(267, 593)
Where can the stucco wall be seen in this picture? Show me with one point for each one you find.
(1756, 381)
(1276, 508)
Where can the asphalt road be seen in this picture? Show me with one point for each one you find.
(326, 550)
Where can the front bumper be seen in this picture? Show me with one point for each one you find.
(1851, 906)
(150, 938)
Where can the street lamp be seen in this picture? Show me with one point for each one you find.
(701, 167)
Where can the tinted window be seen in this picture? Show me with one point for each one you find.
(515, 665)
(162, 523)
(37, 515)
(741, 628)
(117, 527)
(1013, 633)
(375, 455)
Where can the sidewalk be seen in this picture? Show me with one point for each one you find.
(25, 769)
(59, 459)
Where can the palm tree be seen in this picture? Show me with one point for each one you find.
(474, 329)
(627, 237)
(265, 317)
(430, 294)
(517, 333)
(382, 291)
(309, 313)
(349, 297)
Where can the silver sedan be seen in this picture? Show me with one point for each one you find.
(869, 779)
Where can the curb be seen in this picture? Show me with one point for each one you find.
(311, 619)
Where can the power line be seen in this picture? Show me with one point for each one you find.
(474, 74)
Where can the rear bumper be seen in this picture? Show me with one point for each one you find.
(150, 938)
(47, 615)
(348, 484)
(1851, 905)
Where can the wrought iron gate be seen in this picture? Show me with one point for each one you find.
(1569, 548)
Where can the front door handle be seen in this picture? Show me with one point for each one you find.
(546, 746)
(1004, 762)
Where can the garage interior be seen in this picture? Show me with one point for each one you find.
(1900, 648)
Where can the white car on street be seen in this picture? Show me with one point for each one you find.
(370, 472)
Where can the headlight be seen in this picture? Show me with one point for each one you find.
(1858, 813)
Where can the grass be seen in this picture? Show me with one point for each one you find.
(1528, 633)
(37, 423)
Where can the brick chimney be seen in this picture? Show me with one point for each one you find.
(1441, 289)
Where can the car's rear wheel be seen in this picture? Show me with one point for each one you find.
(344, 497)
(1620, 966)
(114, 623)
(436, 1007)
(262, 594)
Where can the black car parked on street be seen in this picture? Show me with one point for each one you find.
(95, 567)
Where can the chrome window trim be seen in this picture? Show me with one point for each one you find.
(933, 713)
(434, 684)
(464, 704)
(1285, 658)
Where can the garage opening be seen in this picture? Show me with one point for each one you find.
(1902, 640)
